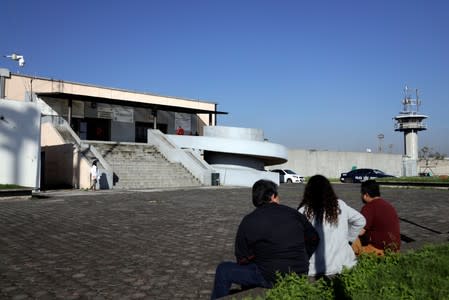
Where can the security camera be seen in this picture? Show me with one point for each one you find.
(18, 58)
(21, 61)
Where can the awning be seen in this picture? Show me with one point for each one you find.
(131, 103)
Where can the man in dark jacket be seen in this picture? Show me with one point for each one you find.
(273, 238)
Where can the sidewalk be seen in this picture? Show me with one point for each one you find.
(152, 244)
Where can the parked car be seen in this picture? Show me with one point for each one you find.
(361, 175)
(288, 176)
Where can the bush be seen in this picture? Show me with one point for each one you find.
(422, 274)
(293, 286)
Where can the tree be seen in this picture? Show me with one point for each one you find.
(427, 152)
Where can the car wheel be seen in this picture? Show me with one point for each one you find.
(289, 180)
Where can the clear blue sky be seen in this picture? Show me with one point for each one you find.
(311, 74)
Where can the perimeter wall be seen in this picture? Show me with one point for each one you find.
(331, 164)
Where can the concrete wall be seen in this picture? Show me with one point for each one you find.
(241, 176)
(331, 164)
(81, 166)
(20, 124)
(50, 136)
(436, 167)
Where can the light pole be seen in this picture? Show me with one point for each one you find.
(380, 137)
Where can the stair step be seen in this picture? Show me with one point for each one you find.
(143, 166)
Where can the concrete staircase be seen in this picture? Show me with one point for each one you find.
(141, 166)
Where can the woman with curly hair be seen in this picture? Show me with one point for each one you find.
(337, 225)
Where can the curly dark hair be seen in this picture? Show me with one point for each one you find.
(320, 200)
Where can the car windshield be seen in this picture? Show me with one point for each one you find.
(289, 171)
(379, 172)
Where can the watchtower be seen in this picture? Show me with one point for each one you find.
(410, 121)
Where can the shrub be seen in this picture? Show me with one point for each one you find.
(293, 286)
(421, 274)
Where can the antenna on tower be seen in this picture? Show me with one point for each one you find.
(418, 101)
(411, 102)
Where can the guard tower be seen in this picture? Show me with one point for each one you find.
(410, 121)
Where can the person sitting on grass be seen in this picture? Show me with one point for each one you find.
(382, 230)
(272, 238)
(336, 223)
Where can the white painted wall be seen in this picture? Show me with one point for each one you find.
(20, 124)
(241, 176)
(237, 154)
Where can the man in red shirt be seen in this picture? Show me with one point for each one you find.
(381, 231)
(180, 131)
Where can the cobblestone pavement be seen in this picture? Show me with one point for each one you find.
(152, 244)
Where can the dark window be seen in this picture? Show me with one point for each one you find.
(141, 130)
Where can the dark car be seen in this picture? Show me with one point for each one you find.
(361, 175)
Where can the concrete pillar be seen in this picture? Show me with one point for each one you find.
(154, 114)
(4, 73)
(411, 144)
(69, 113)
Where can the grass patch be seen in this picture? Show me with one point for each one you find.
(421, 274)
(424, 179)
(10, 186)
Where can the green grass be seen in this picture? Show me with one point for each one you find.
(10, 186)
(421, 274)
(442, 179)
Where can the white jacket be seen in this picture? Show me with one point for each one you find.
(334, 251)
(94, 172)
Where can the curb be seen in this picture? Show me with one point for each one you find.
(15, 193)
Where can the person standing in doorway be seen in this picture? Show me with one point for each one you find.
(93, 176)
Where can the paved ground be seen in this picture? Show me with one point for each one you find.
(152, 244)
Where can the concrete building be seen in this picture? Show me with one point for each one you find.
(133, 136)
(109, 114)
(81, 123)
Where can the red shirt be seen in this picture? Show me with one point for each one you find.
(382, 225)
(180, 131)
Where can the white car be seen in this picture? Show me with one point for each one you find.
(288, 176)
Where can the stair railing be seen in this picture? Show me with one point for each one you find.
(49, 115)
(199, 168)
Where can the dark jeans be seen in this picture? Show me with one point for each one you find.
(228, 273)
